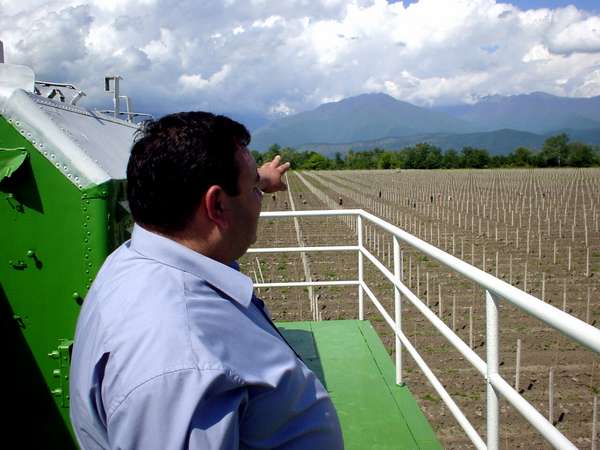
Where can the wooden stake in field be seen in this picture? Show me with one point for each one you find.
(587, 308)
(510, 268)
(594, 421)
(497, 254)
(418, 281)
(483, 259)
(525, 278)
(260, 270)
(569, 263)
(587, 262)
(518, 365)
(415, 334)
(554, 257)
(454, 311)
(471, 326)
(565, 295)
(560, 229)
(440, 309)
(427, 286)
(256, 280)
(551, 395)
(543, 286)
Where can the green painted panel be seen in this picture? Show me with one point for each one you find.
(374, 412)
(416, 420)
(54, 239)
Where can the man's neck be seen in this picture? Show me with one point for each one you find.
(209, 244)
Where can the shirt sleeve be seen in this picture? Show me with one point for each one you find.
(190, 408)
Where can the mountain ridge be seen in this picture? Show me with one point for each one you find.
(367, 116)
(377, 116)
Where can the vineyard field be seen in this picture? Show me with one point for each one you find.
(535, 229)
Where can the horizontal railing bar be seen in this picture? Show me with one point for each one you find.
(334, 248)
(310, 213)
(439, 388)
(532, 415)
(439, 324)
(308, 283)
(576, 329)
(379, 306)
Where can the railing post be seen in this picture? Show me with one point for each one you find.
(359, 229)
(491, 344)
(397, 311)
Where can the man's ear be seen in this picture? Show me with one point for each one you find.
(215, 202)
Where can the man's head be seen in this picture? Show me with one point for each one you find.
(191, 177)
(173, 163)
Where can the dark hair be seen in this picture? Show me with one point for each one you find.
(175, 160)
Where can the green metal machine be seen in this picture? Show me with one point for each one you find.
(62, 211)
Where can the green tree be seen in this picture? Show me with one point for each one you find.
(315, 161)
(385, 160)
(359, 160)
(433, 158)
(451, 159)
(476, 158)
(580, 155)
(520, 157)
(422, 156)
(498, 161)
(555, 151)
(338, 162)
(273, 150)
(258, 157)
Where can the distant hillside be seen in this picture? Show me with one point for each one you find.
(365, 117)
(536, 113)
(496, 142)
(499, 142)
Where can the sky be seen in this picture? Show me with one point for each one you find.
(257, 59)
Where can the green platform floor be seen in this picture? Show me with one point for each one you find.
(352, 363)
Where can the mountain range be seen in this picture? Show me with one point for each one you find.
(497, 123)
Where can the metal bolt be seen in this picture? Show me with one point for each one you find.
(56, 373)
(30, 254)
(19, 265)
(54, 354)
(57, 392)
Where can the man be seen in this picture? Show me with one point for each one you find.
(172, 350)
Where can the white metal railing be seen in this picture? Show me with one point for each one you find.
(496, 291)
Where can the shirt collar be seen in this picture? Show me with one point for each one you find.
(166, 251)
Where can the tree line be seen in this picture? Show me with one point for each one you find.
(557, 151)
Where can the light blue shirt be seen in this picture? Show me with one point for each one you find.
(170, 353)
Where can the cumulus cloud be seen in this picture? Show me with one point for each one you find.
(267, 57)
(583, 36)
(196, 82)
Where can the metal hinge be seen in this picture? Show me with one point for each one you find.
(63, 356)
